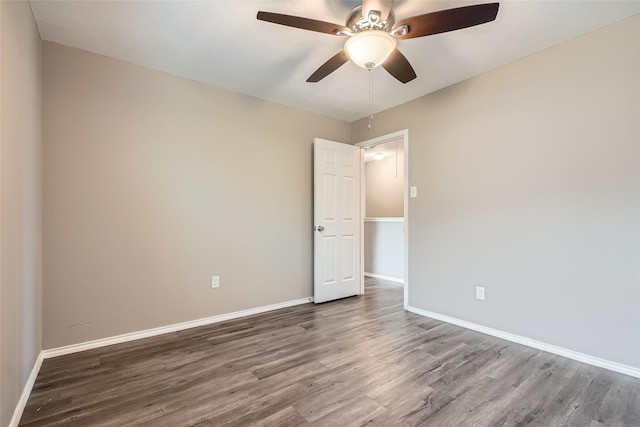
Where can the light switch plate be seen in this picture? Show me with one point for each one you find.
(413, 192)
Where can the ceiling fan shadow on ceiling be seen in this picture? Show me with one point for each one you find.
(372, 34)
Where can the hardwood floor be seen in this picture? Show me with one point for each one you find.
(357, 361)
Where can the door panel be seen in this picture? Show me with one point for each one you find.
(336, 220)
(329, 245)
(329, 198)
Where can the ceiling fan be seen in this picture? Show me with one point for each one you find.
(373, 33)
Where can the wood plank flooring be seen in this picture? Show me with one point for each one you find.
(357, 361)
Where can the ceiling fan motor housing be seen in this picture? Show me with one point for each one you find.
(359, 23)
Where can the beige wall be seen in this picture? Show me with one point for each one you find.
(528, 183)
(384, 186)
(20, 203)
(153, 184)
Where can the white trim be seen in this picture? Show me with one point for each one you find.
(560, 351)
(383, 138)
(26, 392)
(363, 208)
(380, 276)
(74, 348)
(405, 227)
(385, 219)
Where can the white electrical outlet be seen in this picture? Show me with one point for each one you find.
(413, 192)
(215, 281)
(480, 292)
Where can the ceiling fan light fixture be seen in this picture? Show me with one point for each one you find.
(369, 49)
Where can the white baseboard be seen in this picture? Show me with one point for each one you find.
(26, 392)
(380, 276)
(74, 348)
(560, 351)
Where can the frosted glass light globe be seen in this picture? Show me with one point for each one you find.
(370, 49)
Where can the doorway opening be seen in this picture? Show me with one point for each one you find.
(384, 222)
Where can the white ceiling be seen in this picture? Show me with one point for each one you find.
(222, 43)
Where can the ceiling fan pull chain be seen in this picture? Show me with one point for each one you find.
(370, 70)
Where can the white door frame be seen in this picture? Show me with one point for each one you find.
(404, 134)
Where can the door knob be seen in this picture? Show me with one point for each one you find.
(320, 228)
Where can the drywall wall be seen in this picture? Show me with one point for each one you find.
(153, 184)
(384, 247)
(384, 188)
(20, 203)
(528, 183)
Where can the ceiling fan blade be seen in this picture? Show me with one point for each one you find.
(448, 20)
(398, 66)
(303, 23)
(336, 61)
(382, 6)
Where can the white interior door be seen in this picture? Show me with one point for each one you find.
(336, 242)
